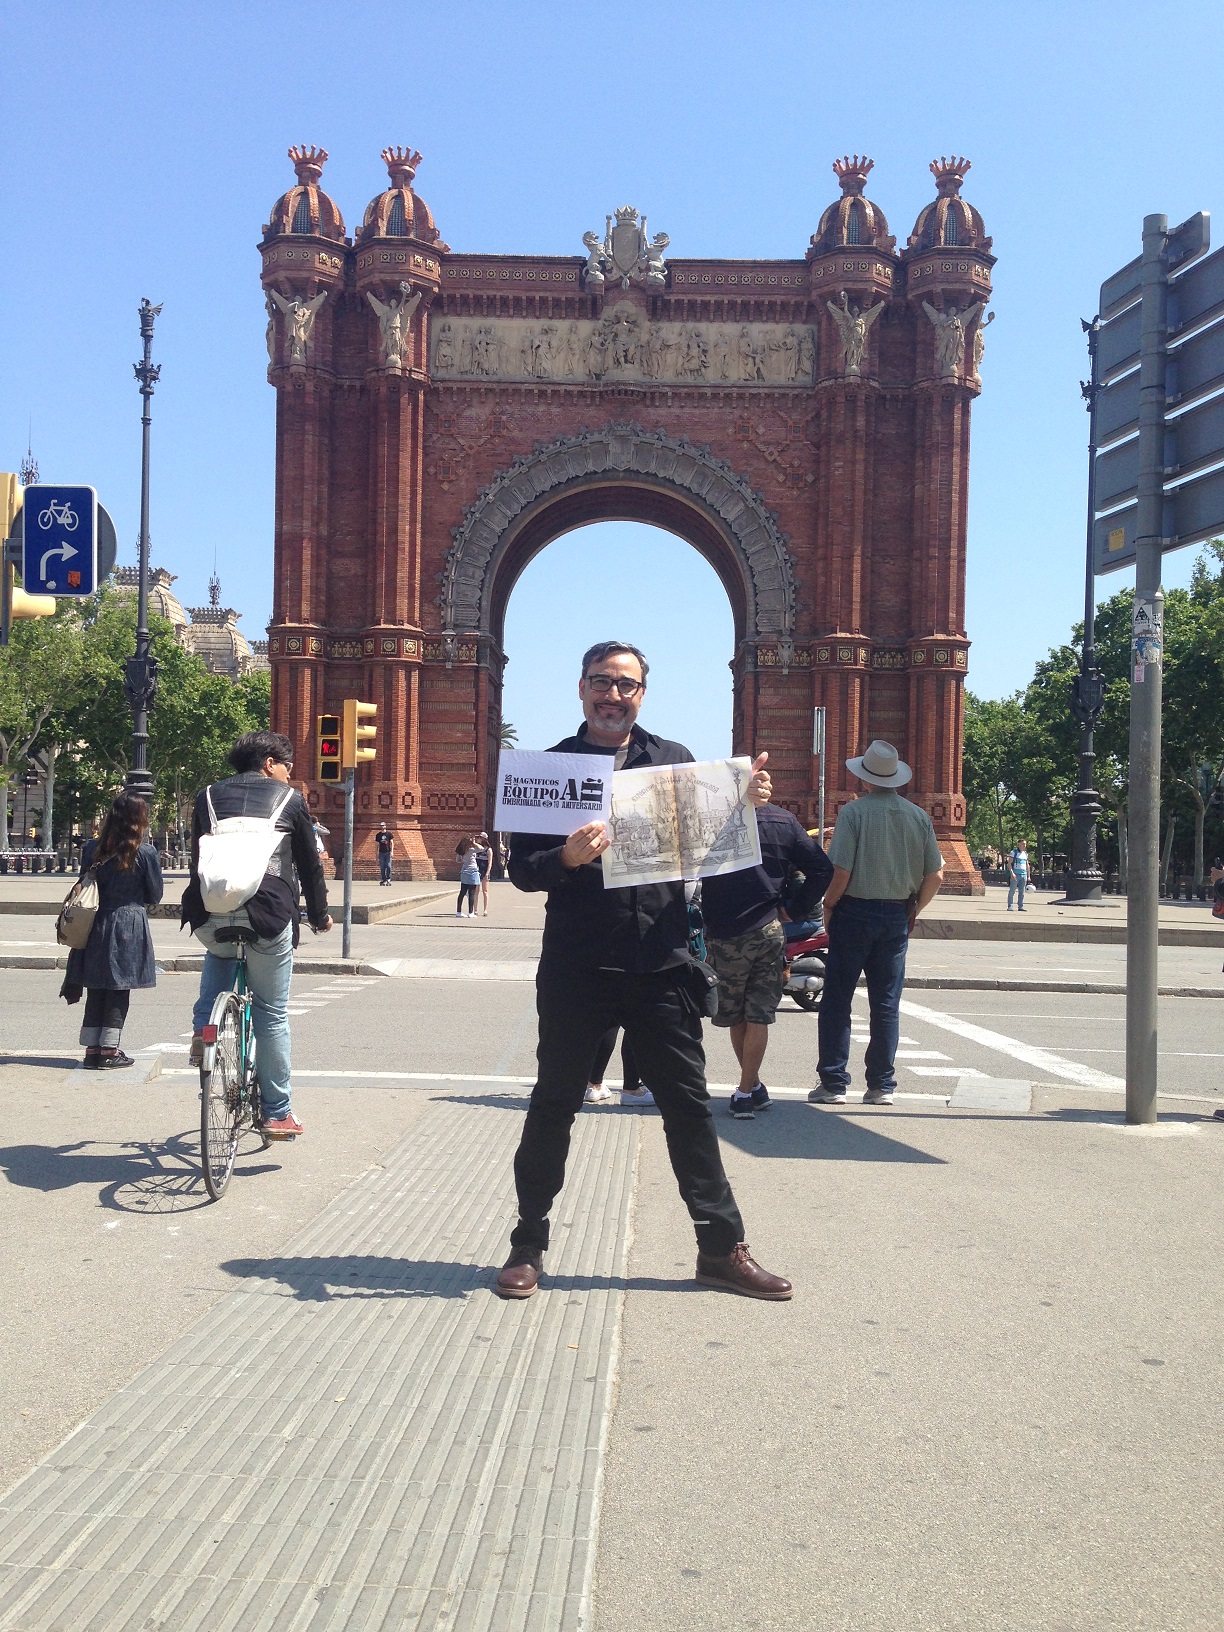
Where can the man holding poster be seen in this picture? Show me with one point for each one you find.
(618, 957)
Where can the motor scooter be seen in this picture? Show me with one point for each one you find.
(807, 948)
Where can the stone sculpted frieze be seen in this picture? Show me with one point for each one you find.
(624, 346)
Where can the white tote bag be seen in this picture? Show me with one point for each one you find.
(234, 856)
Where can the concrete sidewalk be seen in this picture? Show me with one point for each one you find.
(994, 1402)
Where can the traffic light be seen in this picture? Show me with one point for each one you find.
(14, 602)
(358, 737)
(327, 737)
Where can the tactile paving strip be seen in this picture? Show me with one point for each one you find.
(362, 1435)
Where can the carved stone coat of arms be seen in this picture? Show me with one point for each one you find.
(627, 254)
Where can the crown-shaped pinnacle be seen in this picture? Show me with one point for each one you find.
(308, 162)
(401, 163)
(949, 173)
(852, 172)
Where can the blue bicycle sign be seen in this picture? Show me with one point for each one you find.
(60, 540)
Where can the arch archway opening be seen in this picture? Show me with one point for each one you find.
(618, 580)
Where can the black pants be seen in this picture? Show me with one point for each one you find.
(467, 892)
(102, 1022)
(603, 1053)
(576, 1008)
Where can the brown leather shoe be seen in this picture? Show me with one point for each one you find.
(520, 1275)
(740, 1272)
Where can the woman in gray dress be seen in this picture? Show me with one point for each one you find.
(118, 957)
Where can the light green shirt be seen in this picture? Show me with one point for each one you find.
(886, 844)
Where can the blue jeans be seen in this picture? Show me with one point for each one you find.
(865, 937)
(1016, 885)
(384, 866)
(269, 970)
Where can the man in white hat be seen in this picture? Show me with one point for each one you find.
(886, 868)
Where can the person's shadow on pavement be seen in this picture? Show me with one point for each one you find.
(818, 1133)
(320, 1280)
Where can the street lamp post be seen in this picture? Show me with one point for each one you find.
(140, 671)
(1088, 689)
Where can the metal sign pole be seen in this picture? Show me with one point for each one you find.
(1143, 800)
(350, 780)
(818, 748)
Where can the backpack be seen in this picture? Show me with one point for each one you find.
(234, 856)
(76, 916)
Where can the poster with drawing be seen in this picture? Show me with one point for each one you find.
(551, 793)
(674, 822)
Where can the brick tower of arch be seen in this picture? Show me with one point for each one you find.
(442, 416)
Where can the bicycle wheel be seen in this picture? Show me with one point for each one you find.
(221, 1096)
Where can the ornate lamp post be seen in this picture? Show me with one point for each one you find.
(140, 671)
(1088, 689)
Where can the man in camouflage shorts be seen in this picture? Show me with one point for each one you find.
(745, 941)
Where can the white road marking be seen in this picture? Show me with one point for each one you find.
(1106, 1087)
(945, 1070)
(921, 1054)
(1042, 1058)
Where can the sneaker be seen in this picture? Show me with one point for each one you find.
(739, 1272)
(597, 1093)
(282, 1127)
(1218, 1115)
(520, 1274)
(760, 1098)
(878, 1096)
(637, 1096)
(195, 1054)
(742, 1108)
(827, 1096)
(114, 1059)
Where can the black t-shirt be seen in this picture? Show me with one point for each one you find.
(383, 840)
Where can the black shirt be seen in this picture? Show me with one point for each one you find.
(640, 929)
(737, 903)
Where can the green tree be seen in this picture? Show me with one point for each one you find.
(40, 669)
(192, 725)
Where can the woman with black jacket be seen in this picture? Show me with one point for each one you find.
(118, 957)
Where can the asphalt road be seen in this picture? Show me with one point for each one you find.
(976, 1293)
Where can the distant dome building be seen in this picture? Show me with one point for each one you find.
(211, 631)
(163, 602)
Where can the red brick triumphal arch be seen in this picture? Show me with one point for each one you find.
(442, 416)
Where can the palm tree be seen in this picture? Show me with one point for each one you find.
(507, 736)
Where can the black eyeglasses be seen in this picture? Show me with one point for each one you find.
(601, 684)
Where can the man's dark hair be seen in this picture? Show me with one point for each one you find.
(250, 751)
(609, 648)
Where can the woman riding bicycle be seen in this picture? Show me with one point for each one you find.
(263, 761)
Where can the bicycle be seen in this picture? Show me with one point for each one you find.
(63, 513)
(229, 1091)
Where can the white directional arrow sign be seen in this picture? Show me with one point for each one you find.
(66, 552)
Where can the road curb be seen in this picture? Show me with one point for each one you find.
(1094, 988)
(192, 964)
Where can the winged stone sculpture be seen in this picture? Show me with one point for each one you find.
(853, 325)
(394, 317)
(299, 318)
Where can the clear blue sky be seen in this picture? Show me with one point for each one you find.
(142, 146)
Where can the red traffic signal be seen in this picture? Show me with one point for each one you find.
(328, 743)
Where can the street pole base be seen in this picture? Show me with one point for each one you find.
(1084, 890)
